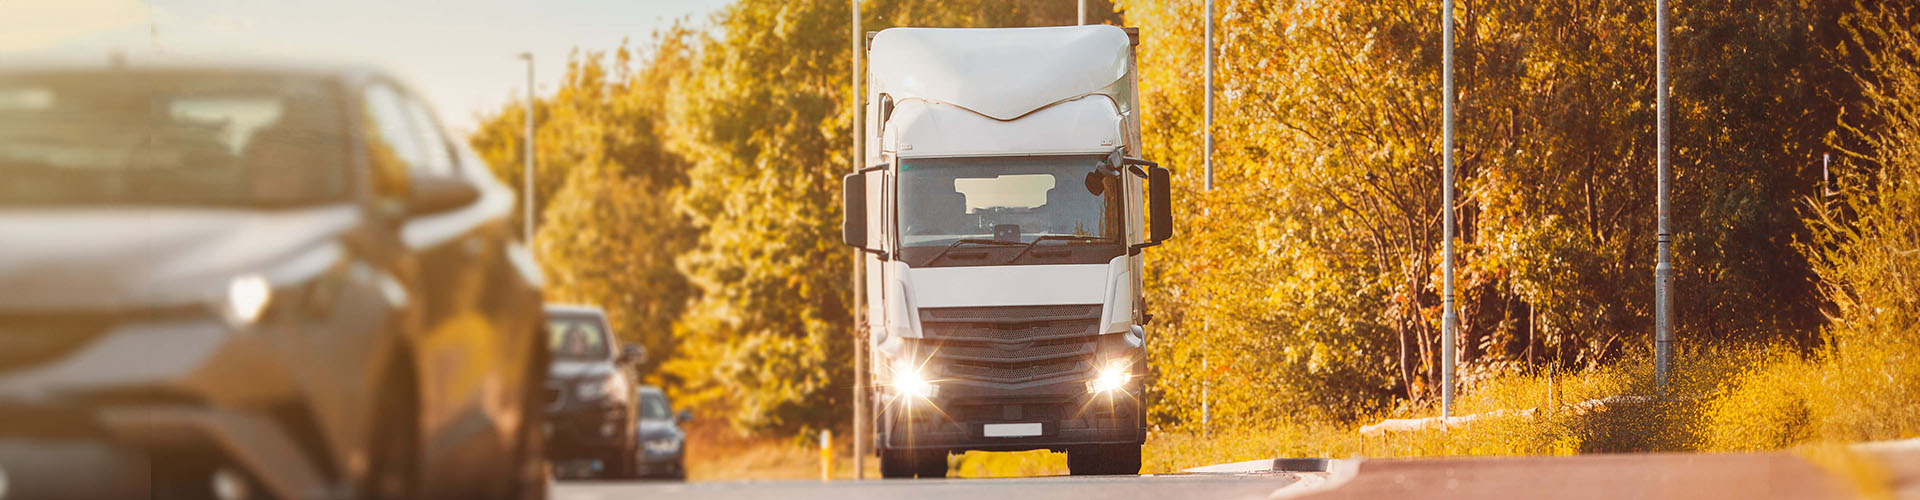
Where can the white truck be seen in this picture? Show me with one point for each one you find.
(1001, 217)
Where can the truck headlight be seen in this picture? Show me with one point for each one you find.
(908, 380)
(1112, 377)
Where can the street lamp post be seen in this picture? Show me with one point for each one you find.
(862, 436)
(1663, 269)
(527, 170)
(1449, 321)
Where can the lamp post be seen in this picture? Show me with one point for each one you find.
(1663, 269)
(862, 436)
(1449, 322)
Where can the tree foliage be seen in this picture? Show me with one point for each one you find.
(608, 232)
(693, 191)
(1312, 270)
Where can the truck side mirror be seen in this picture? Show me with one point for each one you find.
(685, 416)
(1160, 200)
(853, 225)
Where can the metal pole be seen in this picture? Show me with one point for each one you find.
(1206, 155)
(1663, 270)
(527, 170)
(1083, 12)
(861, 418)
(1206, 160)
(1449, 322)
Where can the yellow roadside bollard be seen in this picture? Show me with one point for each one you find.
(826, 455)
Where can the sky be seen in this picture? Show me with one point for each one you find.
(463, 55)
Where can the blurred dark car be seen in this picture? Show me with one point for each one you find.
(589, 398)
(663, 445)
(257, 282)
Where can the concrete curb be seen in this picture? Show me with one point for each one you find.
(1269, 465)
(1902, 445)
(1337, 474)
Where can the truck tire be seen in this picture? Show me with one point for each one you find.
(906, 464)
(1104, 460)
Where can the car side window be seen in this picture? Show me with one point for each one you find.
(392, 137)
(436, 153)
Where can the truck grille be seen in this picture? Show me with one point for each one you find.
(1012, 345)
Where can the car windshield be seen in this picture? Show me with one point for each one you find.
(654, 407)
(1009, 199)
(578, 339)
(170, 138)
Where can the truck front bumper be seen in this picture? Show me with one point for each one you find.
(1054, 418)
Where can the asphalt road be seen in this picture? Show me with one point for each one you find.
(1889, 470)
(1166, 487)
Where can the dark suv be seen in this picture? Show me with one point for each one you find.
(663, 445)
(242, 281)
(589, 397)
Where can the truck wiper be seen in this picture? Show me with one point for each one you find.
(967, 241)
(1052, 237)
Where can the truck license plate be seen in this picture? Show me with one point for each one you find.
(1011, 430)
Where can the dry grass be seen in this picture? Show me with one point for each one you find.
(1729, 401)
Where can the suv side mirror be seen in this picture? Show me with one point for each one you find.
(633, 354)
(1160, 201)
(433, 194)
(685, 416)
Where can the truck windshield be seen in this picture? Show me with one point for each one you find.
(1008, 199)
(170, 138)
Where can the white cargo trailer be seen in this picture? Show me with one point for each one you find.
(1002, 214)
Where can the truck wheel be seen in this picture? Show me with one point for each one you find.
(906, 464)
(1104, 460)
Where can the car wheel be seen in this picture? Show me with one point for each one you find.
(394, 468)
(531, 472)
(622, 465)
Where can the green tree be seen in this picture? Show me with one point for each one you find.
(609, 233)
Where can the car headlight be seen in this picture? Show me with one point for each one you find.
(599, 388)
(664, 445)
(1112, 377)
(247, 298)
(908, 380)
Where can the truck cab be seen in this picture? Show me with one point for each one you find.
(1002, 211)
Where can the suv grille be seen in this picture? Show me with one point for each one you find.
(1012, 345)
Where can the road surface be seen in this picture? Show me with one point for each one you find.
(1804, 473)
(1192, 486)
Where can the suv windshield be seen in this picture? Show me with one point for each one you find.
(654, 407)
(187, 138)
(1010, 199)
(578, 339)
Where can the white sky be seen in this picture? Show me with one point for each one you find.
(462, 54)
